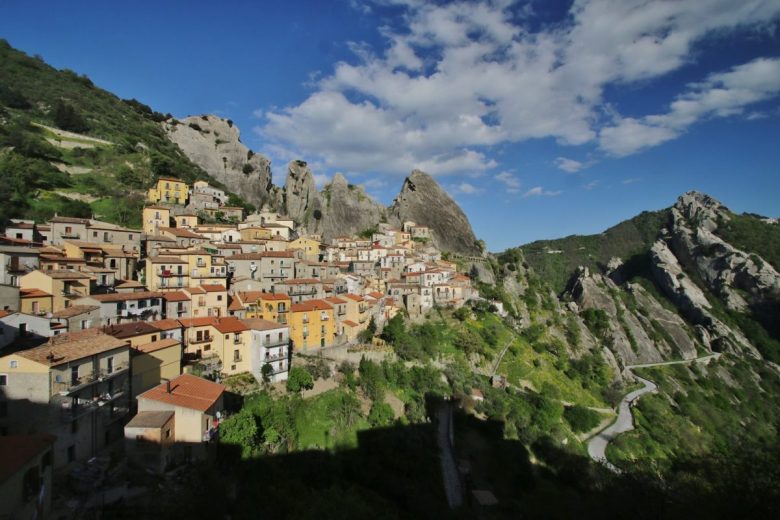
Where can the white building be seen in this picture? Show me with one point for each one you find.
(269, 345)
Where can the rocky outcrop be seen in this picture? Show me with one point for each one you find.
(215, 145)
(300, 192)
(423, 201)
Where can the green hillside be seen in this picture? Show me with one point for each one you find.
(555, 260)
(48, 171)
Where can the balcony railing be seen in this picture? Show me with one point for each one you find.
(205, 339)
(277, 357)
(164, 272)
(70, 234)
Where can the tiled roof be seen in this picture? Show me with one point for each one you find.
(349, 323)
(229, 324)
(3, 314)
(130, 330)
(311, 305)
(154, 346)
(168, 324)
(71, 346)
(150, 419)
(123, 297)
(187, 391)
(273, 296)
(300, 281)
(195, 290)
(213, 287)
(264, 254)
(354, 297)
(176, 296)
(181, 233)
(129, 284)
(258, 324)
(33, 293)
(65, 274)
(235, 304)
(334, 299)
(74, 310)
(16, 451)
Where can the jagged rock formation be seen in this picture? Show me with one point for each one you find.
(300, 192)
(215, 145)
(423, 201)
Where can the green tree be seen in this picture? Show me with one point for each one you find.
(381, 414)
(345, 411)
(367, 335)
(266, 372)
(581, 419)
(67, 118)
(240, 430)
(299, 379)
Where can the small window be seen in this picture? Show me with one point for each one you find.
(14, 364)
(168, 433)
(4, 378)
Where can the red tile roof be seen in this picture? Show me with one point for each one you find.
(354, 297)
(258, 324)
(32, 293)
(123, 297)
(154, 346)
(311, 305)
(213, 288)
(168, 324)
(187, 391)
(176, 296)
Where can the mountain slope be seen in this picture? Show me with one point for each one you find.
(49, 170)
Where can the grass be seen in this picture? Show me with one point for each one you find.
(316, 427)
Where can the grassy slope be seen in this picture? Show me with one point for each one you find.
(120, 172)
(750, 233)
(623, 240)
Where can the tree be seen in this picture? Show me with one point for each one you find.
(241, 430)
(266, 372)
(381, 414)
(367, 335)
(66, 118)
(581, 419)
(345, 411)
(299, 379)
(371, 379)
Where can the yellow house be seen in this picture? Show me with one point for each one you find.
(35, 301)
(225, 338)
(186, 220)
(166, 273)
(357, 309)
(266, 306)
(154, 362)
(255, 233)
(309, 246)
(64, 285)
(216, 299)
(154, 218)
(205, 268)
(169, 191)
(312, 325)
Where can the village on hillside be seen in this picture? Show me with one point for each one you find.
(109, 333)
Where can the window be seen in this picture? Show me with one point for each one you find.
(236, 355)
(71, 453)
(281, 336)
(110, 362)
(168, 433)
(74, 375)
(84, 324)
(130, 236)
(94, 234)
(68, 229)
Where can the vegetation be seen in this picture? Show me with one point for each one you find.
(33, 92)
(299, 379)
(751, 233)
(581, 419)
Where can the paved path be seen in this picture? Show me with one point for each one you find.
(597, 447)
(500, 357)
(449, 469)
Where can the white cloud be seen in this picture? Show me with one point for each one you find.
(568, 165)
(632, 180)
(467, 189)
(720, 95)
(592, 184)
(454, 79)
(258, 113)
(511, 182)
(320, 180)
(538, 191)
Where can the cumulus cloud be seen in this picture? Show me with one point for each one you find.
(453, 80)
(510, 182)
(719, 95)
(538, 191)
(466, 188)
(568, 165)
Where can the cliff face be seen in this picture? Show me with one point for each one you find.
(215, 145)
(423, 201)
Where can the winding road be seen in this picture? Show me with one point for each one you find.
(597, 447)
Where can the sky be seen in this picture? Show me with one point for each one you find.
(541, 118)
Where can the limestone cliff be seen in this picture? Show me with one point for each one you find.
(215, 145)
(423, 201)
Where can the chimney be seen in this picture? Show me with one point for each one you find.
(168, 386)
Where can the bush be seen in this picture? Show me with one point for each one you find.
(381, 414)
(581, 419)
(247, 169)
(66, 118)
(299, 379)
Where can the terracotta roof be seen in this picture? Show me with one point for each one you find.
(235, 304)
(334, 299)
(130, 330)
(3, 314)
(18, 450)
(349, 323)
(354, 297)
(32, 293)
(195, 290)
(64, 348)
(311, 305)
(160, 344)
(150, 419)
(123, 297)
(168, 324)
(181, 233)
(229, 324)
(258, 324)
(213, 287)
(197, 322)
(273, 296)
(68, 220)
(74, 310)
(187, 391)
(129, 284)
(376, 295)
(176, 296)
(157, 207)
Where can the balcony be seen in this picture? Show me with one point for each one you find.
(164, 273)
(277, 357)
(205, 339)
(201, 263)
(118, 369)
(71, 385)
(70, 234)
(302, 292)
(237, 340)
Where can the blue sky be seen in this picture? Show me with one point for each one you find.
(542, 118)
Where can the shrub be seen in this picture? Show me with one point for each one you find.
(66, 118)
(581, 419)
(299, 379)
(381, 414)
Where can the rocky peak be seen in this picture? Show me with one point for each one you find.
(214, 144)
(699, 207)
(300, 191)
(423, 201)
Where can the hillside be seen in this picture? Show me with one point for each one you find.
(95, 153)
